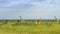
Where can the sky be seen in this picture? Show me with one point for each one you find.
(29, 9)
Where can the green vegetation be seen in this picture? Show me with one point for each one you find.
(29, 27)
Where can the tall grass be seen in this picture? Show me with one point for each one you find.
(30, 27)
(39, 29)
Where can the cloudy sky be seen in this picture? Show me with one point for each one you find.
(29, 9)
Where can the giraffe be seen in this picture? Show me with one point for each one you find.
(56, 20)
(21, 20)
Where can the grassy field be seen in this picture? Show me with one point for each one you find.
(30, 28)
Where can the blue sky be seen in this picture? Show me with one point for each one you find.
(29, 9)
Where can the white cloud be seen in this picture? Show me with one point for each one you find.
(34, 2)
(45, 8)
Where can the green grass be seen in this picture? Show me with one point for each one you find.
(13, 27)
(38, 29)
